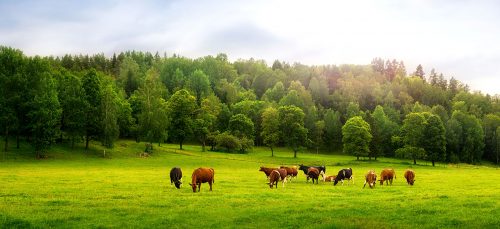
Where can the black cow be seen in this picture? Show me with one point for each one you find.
(321, 169)
(344, 174)
(175, 177)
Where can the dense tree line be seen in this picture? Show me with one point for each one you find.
(366, 110)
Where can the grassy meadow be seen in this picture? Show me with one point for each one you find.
(77, 189)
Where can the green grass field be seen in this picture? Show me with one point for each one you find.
(73, 188)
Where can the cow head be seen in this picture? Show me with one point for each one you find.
(261, 169)
(381, 182)
(178, 184)
(411, 181)
(193, 186)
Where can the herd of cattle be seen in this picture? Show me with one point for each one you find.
(285, 174)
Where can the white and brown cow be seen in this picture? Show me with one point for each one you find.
(370, 179)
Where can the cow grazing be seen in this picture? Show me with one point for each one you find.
(344, 174)
(387, 175)
(410, 176)
(290, 171)
(267, 171)
(202, 175)
(321, 169)
(371, 179)
(329, 178)
(176, 177)
(274, 177)
(313, 173)
(283, 175)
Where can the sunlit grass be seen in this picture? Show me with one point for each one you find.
(78, 188)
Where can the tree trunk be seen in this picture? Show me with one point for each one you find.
(203, 146)
(72, 142)
(370, 157)
(272, 152)
(180, 144)
(414, 161)
(357, 158)
(87, 142)
(294, 153)
(6, 139)
(432, 163)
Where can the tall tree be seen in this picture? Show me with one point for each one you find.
(200, 86)
(270, 128)
(333, 128)
(318, 133)
(293, 132)
(153, 117)
(72, 99)
(109, 117)
(434, 141)
(92, 88)
(491, 123)
(45, 114)
(12, 78)
(382, 131)
(182, 106)
(419, 72)
(356, 136)
(413, 133)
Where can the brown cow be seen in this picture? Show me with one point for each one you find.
(329, 178)
(387, 175)
(313, 173)
(202, 175)
(267, 171)
(274, 177)
(283, 175)
(410, 176)
(290, 171)
(371, 179)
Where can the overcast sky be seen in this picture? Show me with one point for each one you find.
(459, 38)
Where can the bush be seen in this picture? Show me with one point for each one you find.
(228, 141)
(232, 143)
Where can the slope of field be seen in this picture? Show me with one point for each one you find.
(73, 188)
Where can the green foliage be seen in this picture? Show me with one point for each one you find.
(356, 136)
(382, 131)
(241, 126)
(293, 132)
(154, 113)
(109, 111)
(333, 128)
(466, 137)
(326, 93)
(45, 114)
(71, 96)
(92, 87)
(228, 141)
(198, 83)
(491, 125)
(182, 107)
(270, 128)
(434, 141)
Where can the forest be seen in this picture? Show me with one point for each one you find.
(380, 109)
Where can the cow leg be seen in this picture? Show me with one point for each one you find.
(342, 182)
(364, 185)
(210, 183)
(199, 186)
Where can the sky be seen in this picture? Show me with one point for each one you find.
(458, 38)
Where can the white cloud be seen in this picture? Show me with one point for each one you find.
(458, 38)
